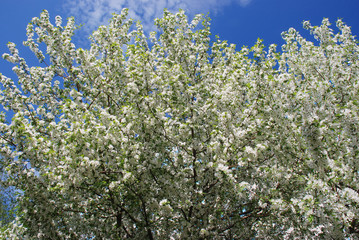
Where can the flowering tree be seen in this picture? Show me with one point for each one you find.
(177, 137)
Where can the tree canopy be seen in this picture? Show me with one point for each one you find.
(178, 136)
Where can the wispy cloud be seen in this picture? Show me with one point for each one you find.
(244, 3)
(93, 13)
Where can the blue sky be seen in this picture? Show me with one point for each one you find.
(238, 21)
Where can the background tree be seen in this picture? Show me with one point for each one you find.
(7, 201)
(7, 207)
(179, 137)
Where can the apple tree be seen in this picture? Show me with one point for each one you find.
(175, 135)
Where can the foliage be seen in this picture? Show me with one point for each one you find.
(7, 202)
(177, 137)
(7, 206)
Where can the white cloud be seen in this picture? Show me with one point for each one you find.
(244, 3)
(93, 13)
